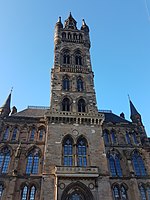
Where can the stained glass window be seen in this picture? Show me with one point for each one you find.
(143, 193)
(4, 160)
(119, 192)
(32, 163)
(32, 193)
(32, 134)
(116, 193)
(115, 167)
(82, 152)
(6, 134)
(24, 193)
(41, 134)
(14, 134)
(138, 164)
(68, 152)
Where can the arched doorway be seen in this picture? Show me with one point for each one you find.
(77, 191)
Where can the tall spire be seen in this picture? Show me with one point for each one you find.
(134, 114)
(5, 109)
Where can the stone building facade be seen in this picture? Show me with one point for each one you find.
(71, 150)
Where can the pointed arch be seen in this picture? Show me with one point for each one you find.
(78, 190)
(81, 105)
(82, 154)
(33, 158)
(5, 154)
(66, 104)
(80, 84)
(106, 137)
(78, 57)
(138, 164)
(68, 151)
(114, 163)
(66, 83)
(66, 56)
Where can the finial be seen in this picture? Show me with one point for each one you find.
(59, 19)
(11, 90)
(83, 22)
(129, 97)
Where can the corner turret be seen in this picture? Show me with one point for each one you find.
(86, 30)
(58, 27)
(5, 109)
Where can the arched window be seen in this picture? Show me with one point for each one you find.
(14, 134)
(128, 138)
(32, 135)
(32, 162)
(79, 84)
(66, 57)
(119, 192)
(148, 192)
(32, 193)
(6, 134)
(4, 160)
(68, 151)
(106, 137)
(66, 104)
(66, 83)
(1, 190)
(134, 138)
(116, 193)
(63, 35)
(81, 105)
(78, 58)
(41, 134)
(113, 137)
(124, 193)
(143, 193)
(114, 164)
(138, 164)
(82, 152)
(24, 193)
(28, 193)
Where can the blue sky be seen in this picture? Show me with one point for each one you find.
(120, 52)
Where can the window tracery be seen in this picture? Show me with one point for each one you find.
(81, 105)
(33, 162)
(4, 160)
(138, 164)
(66, 104)
(114, 164)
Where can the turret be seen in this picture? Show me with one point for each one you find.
(58, 27)
(5, 109)
(136, 118)
(85, 28)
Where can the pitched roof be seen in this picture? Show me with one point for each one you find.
(31, 112)
(113, 118)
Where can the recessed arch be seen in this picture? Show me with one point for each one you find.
(77, 189)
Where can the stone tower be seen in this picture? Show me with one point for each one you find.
(72, 76)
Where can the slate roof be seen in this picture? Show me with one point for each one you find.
(31, 112)
(113, 118)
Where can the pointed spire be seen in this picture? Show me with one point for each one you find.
(84, 26)
(59, 23)
(70, 23)
(5, 109)
(133, 109)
